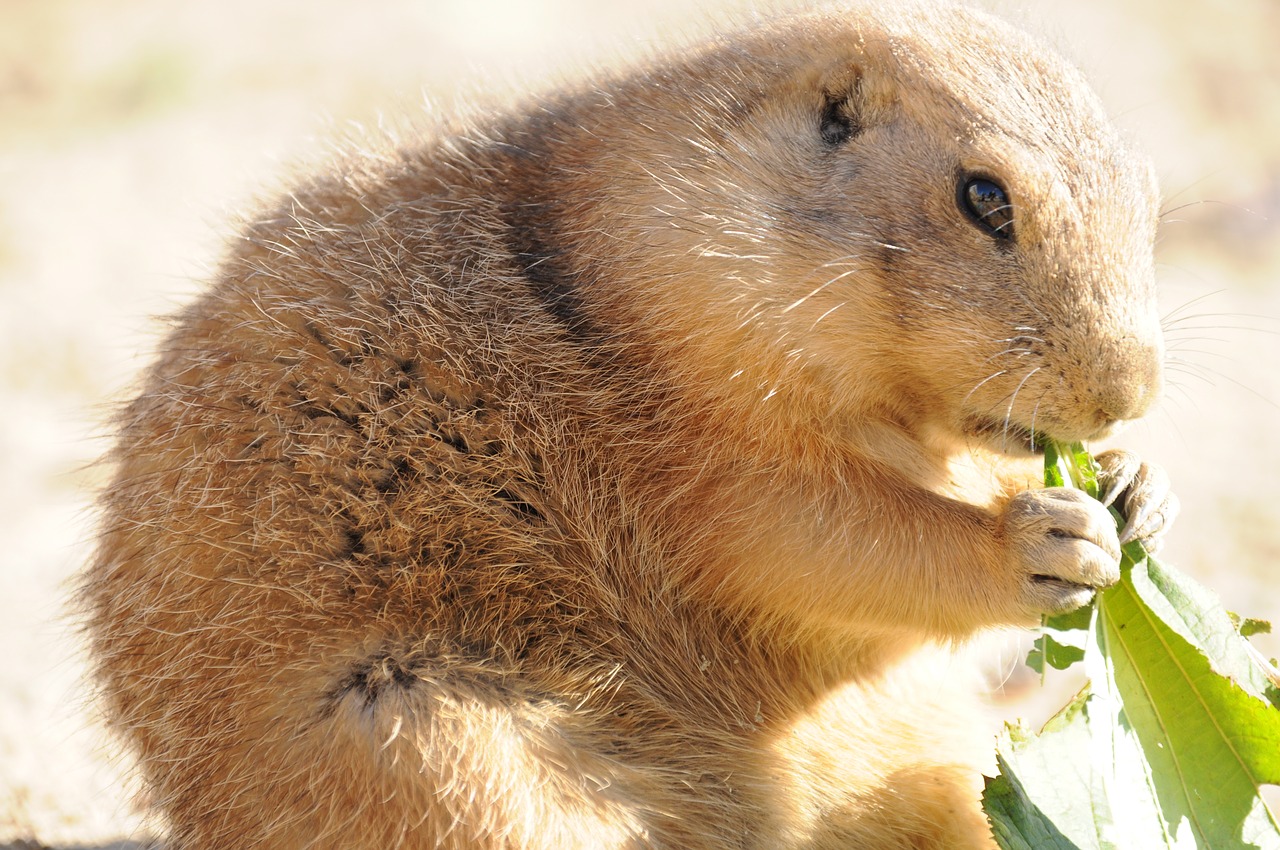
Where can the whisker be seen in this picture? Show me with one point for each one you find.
(1181, 328)
(1210, 202)
(1013, 397)
(1204, 352)
(1015, 351)
(978, 386)
(1035, 412)
(828, 313)
(1200, 370)
(835, 279)
(1191, 303)
(847, 258)
(1185, 393)
(1184, 190)
(1190, 370)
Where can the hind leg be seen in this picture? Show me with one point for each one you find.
(391, 756)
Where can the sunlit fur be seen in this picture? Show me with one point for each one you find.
(619, 471)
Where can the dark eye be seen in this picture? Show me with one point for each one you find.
(988, 204)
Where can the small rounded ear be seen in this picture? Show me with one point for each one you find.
(842, 110)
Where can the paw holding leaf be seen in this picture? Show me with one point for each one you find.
(1063, 546)
(1140, 492)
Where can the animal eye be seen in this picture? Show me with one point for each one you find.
(988, 204)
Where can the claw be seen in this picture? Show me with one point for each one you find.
(1142, 493)
(1135, 525)
(1119, 468)
(1148, 523)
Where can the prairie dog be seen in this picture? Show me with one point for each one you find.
(618, 470)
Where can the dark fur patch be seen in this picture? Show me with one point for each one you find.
(838, 123)
(372, 678)
(335, 351)
(519, 506)
(355, 542)
(393, 476)
(450, 437)
(888, 258)
(531, 213)
(546, 267)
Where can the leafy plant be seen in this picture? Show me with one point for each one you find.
(1168, 743)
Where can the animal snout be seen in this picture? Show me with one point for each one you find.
(1130, 380)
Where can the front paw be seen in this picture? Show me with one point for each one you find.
(1141, 492)
(1062, 545)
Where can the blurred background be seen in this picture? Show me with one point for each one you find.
(131, 131)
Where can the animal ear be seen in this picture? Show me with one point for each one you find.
(843, 107)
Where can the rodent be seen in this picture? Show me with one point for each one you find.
(619, 470)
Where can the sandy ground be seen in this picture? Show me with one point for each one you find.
(130, 130)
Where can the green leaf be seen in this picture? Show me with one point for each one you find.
(1056, 468)
(1207, 742)
(1248, 626)
(1169, 744)
(1044, 796)
(1059, 656)
(1198, 616)
(1055, 645)
(1080, 619)
(1062, 639)
(1016, 822)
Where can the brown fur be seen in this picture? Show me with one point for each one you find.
(617, 471)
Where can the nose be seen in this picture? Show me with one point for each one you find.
(1131, 380)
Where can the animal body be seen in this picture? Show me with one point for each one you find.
(619, 470)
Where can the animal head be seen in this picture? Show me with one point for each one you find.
(920, 213)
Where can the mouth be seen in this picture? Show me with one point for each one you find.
(1006, 436)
